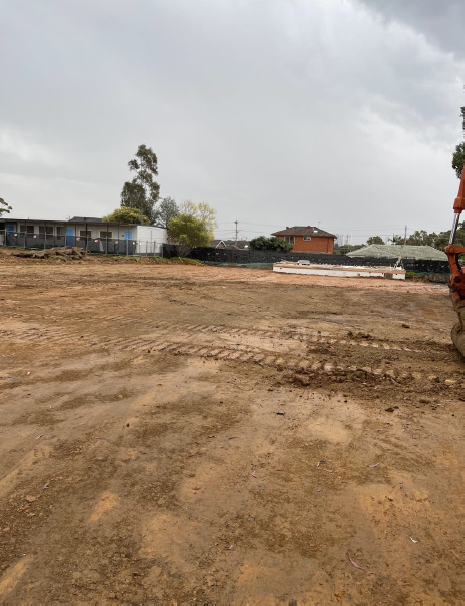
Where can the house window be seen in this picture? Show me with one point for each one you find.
(307, 238)
(26, 229)
(45, 229)
(289, 239)
(85, 234)
(106, 234)
(60, 230)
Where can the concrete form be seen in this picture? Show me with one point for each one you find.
(339, 271)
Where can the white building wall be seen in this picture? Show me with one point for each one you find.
(117, 233)
(150, 239)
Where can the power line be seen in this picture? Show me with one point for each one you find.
(343, 233)
(345, 227)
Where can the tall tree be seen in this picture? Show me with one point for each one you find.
(442, 239)
(126, 214)
(422, 238)
(438, 241)
(143, 191)
(167, 210)
(375, 240)
(4, 207)
(203, 212)
(133, 196)
(187, 232)
(458, 158)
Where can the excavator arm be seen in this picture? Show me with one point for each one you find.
(457, 272)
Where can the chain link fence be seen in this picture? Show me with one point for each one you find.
(103, 246)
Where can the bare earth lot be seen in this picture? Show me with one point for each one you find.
(172, 434)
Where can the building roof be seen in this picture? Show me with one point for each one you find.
(239, 245)
(314, 232)
(216, 243)
(85, 220)
(79, 221)
(28, 220)
(394, 251)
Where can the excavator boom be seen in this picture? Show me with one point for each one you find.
(457, 272)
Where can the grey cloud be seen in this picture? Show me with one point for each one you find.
(441, 21)
(276, 112)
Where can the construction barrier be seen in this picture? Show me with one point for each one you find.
(103, 246)
(218, 255)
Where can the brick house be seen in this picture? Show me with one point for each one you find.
(307, 239)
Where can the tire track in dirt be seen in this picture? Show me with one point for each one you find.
(173, 338)
(239, 353)
(300, 334)
(304, 335)
(263, 357)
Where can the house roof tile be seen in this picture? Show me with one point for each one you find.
(314, 232)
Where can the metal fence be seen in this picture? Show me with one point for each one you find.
(103, 246)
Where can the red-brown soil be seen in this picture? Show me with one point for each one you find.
(179, 434)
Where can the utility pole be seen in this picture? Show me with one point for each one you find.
(236, 223)
(405, 235)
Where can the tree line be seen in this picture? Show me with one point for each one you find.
(189, 224)
(423, 238)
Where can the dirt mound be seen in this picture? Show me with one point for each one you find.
(78, 254)
(52, 253)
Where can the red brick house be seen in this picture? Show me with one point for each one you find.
(307, 239)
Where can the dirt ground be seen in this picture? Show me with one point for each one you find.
(180, 434)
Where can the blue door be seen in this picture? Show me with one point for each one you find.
(69, 237)
(9, 237)
(128, 238)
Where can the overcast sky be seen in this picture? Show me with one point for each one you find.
(342, 113)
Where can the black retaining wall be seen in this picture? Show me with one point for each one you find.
(217, 255)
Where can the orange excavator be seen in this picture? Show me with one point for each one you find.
(457, 271)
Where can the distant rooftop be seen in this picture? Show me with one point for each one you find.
(239, 245)
(394, 251)
(216, 243)
(85, 220)
(314, 232)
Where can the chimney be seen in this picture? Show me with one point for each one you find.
(287, 227)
